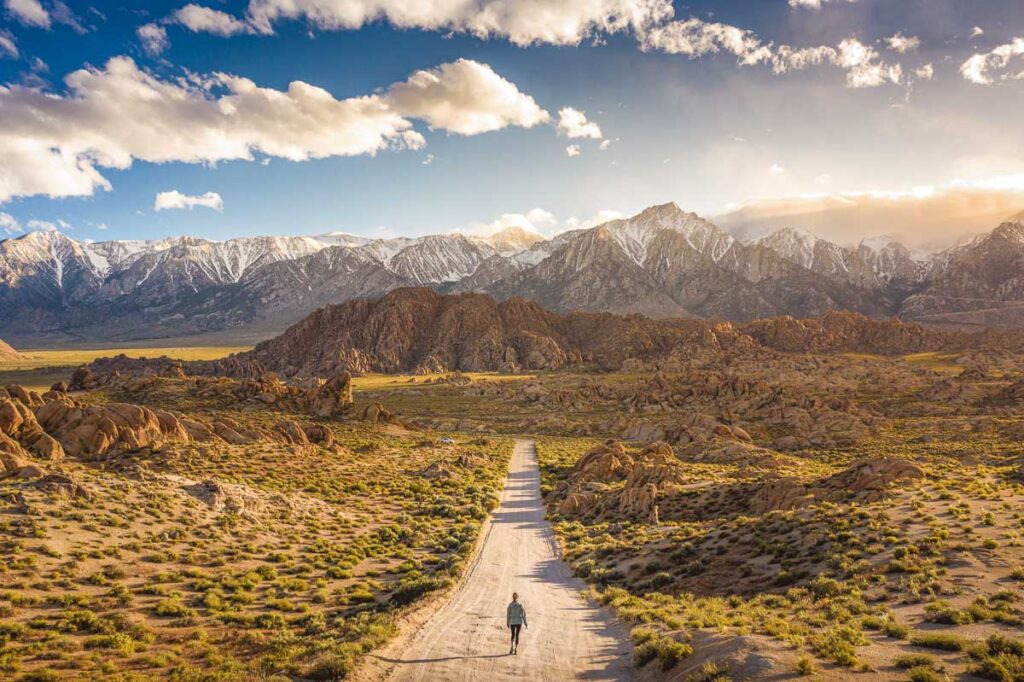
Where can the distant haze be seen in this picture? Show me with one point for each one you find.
(928, 219)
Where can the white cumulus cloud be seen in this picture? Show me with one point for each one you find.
(903, 44)
(153, 37)
(201, 19)
(574, 124)
(176, 200)
(57, 144)
(979, 68)
(28, 12)
(464, 97)
(523, 22)
(572, 150)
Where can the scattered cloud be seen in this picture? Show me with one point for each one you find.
(863, 65)
(980, 67)
(9, 224)
(977, 31)
(200, 19)
(35, 225)
(56, 144)
(536, 220)
(574, 124)
(8, 46)
(605, 144)
(695, 38)
(523, 22)
(811, 4)
(903, 44)
(925, 73)
(572, 150)
(928, 218)
(176, 200)
(540, 221)
(427, 160)
(28, 12)
(464, 97)
(154, 38)
(776, 169)
(599, 218)
(63, 14)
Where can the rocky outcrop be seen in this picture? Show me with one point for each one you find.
(590, 485)
(331, 398)
(837, 332)
(8, 354)
(97, 431)
(20, 431)
(865, 481)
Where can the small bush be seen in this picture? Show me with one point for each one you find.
(805, 665)
(914, 661)
(940, 640)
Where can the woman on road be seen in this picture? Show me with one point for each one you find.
(515, 618)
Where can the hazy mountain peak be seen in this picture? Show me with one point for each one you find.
(1012, 230)
(513, 239)
(882, 241)
(635, 234)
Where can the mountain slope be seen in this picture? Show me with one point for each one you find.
(418, 329)
(982, 280)
(662, 262)
(7, 353)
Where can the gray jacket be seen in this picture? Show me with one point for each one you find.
(516, 614)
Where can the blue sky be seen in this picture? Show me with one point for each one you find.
(707, 107)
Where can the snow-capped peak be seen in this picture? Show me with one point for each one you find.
(879, 242)
(342, 239)
(795, 244)
(636, 234)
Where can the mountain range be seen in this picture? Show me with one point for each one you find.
(663, 262)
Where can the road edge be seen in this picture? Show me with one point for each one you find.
(375, 666)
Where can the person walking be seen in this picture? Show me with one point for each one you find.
(515, 618)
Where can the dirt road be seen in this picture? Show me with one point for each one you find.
(567, 638)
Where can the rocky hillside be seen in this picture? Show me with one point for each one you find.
(418, 330)
(7, 353)
(662, 262)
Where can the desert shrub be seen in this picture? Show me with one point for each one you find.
(1002, 659)
(173, 608)
(413, 586)
(940, 640)
(914, 661)
(667, 650)
(924, 674)
(331, 667)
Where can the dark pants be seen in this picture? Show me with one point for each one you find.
(515, 634)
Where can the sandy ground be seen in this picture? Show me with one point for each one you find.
(567, 639)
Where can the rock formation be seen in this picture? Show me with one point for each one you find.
(8, 354)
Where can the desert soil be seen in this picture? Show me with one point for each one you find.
(568, 637)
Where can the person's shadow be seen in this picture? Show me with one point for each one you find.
(439, 660)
